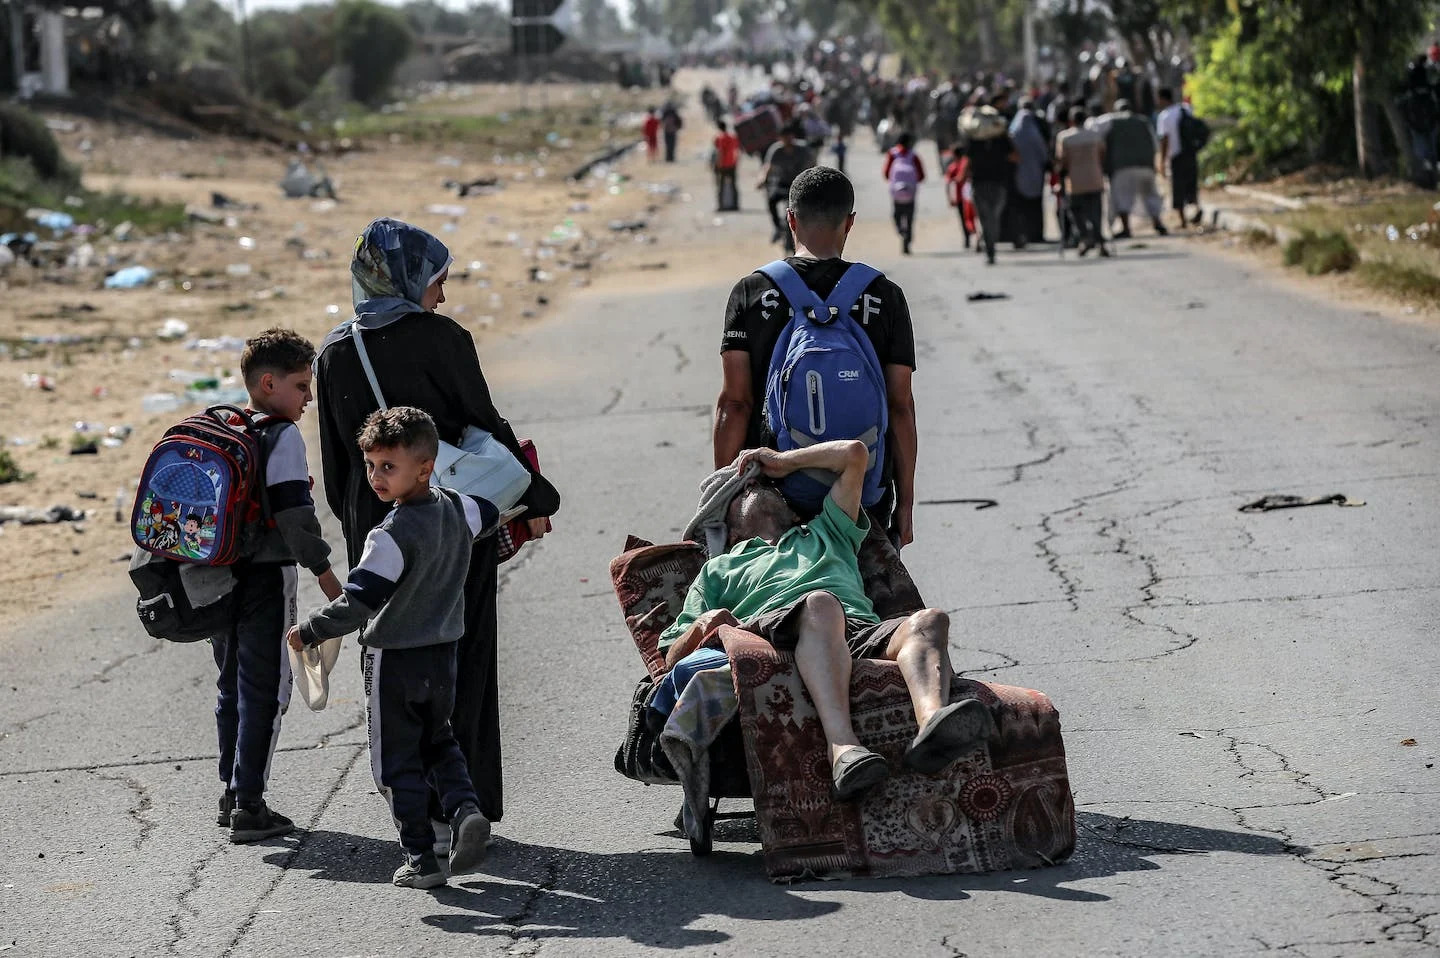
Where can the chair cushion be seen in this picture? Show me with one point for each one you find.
(1005, 805)
(651, 582)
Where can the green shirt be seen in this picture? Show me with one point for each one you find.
(755, 577)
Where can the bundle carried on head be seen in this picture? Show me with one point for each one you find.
(983, 123)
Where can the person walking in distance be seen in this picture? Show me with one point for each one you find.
(785, 160)
(670, 124)
(1080, 154)
(1130, 153)
(726, 160)
(992, 156)
(650, 130)
(1182, 157)
(904, 173)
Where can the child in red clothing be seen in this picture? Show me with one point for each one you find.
(957, 189)
(651, 131)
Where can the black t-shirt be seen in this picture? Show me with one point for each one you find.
(757, 314)
(990, 159)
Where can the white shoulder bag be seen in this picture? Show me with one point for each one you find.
(480, 466)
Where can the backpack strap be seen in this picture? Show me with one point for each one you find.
(802, 299)
(852, 286)
(356, 334)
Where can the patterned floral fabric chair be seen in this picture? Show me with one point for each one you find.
(1006, 805)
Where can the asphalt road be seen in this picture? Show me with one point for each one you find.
(1237, 688)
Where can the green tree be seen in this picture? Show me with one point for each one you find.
(373, 40)
(292, 51)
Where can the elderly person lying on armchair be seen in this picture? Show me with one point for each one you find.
(799, 587)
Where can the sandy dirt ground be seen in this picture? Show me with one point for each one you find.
(275, 261)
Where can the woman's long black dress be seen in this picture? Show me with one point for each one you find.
(428, 361)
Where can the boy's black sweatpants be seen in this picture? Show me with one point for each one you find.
(254, 683)
(409, 694)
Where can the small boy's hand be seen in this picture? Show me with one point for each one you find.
(292, 638)
(538, 527)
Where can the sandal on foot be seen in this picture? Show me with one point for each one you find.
(948, 734)
(855, 772)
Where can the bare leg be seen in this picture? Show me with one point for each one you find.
(921, 647)
(824, 664)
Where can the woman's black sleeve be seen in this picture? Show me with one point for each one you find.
(334, 450)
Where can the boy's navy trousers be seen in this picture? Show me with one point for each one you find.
(254, 683)
(409, 694)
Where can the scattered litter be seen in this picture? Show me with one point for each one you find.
(980, 296)
(52, 220)
(247, 242)
(123, 231)
(29, 516)
(222, 202)
(132, 277)
(299, 182)
(220, 344)
(332, 310)
(652, 266)
(171, 328)
(451, 210)
(628, 226)
(538, 275)
(323, 206)
(87, 447)
(7, 257)
(977, 503)
(1273, 502)
(483, 186)
(1408, 741)
(1195, 304)
(238, 269)
(81, 257)
(39, 381)
(160, 402)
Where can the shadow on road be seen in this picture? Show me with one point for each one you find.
(654, 896)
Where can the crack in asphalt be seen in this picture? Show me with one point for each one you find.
(1009, 662)
(143, 804)
(295, 852)
(681, 360)
(954, 952)
(616, 395)
(524, 946)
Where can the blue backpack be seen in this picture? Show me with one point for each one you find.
(825, 381)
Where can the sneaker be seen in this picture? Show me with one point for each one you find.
(905, 248)
(1104, 252)
(469, 834)
(441, 848)
(256, 823)
(1160, 229)
(1123, 234)
(227, 805)
(419, 871)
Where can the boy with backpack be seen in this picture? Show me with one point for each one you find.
(241, 481)
(904, 173)
(868, 398)
(408, 591)
(1182, 136)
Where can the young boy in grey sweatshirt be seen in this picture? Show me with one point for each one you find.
(408, 593)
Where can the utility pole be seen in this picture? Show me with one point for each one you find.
(245, 47)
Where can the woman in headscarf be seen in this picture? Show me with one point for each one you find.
(426, 360)
(1025, 208)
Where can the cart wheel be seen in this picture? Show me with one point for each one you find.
(702, 846)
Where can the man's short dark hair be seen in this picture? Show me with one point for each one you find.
(402, 427)
(823, 196)
(280, 351)
(906, 139)
(1077, 115)
(1166, 93)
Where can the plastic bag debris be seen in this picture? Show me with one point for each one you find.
(132, 277)
(171, 328)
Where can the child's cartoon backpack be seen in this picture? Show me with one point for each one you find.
(904, 176)
(202, 496)
(825, 381)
